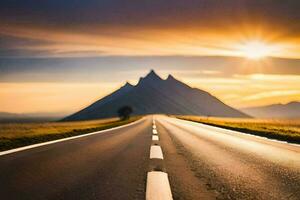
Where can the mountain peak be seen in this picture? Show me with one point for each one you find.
(156, 95)
(170, 77)
(152, 75)
(172, 80)
(128, 84)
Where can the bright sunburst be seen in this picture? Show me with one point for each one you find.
(255, 50)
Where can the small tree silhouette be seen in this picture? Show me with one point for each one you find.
(124, 112)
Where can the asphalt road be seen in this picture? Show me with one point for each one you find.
(202, 162)
(109, 165)
(231, 165)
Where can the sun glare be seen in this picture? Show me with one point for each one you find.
(255, 50)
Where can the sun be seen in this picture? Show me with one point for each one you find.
(255, 50)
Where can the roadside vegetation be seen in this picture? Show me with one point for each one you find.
(13, 135)
(281, 129)
(125, 112)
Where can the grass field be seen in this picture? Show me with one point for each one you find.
(286, 130)
(13, 135)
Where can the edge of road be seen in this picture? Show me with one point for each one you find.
(2, 153)
(242, 133)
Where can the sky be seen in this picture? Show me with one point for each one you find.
(60, 56)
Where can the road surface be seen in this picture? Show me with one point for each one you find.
(201, 162)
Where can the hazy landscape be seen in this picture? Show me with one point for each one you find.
(149, 100)
(6, 117)
(288, 110)
(153, 95)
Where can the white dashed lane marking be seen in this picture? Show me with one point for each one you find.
(156, 152)
(155, 138)
(158, 186)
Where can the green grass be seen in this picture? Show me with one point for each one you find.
(13, 135)
(285, 130)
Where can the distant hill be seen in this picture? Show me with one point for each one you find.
(289, 110)
(153, 95)
(6, 117)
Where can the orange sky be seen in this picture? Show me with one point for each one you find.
(238, 91)
(56, 56)
(157, 42)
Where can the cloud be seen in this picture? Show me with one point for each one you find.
(72, 41)
(271, 94)
(95, 69)
(141, 27)
(270, 77)
(141, 13)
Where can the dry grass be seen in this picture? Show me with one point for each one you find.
(286, 130)
(13, 130)
(14, 135)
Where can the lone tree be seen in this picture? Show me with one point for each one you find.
(124, 112)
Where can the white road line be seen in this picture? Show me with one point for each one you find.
(154, 131)
(238, 132)
(155, 138)
(158, 186)
(154, 126)
(156, 152)
(65, 139)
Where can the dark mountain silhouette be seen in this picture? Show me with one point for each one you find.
(289, 110)
(155, 95)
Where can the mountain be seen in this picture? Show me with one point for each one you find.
(289, 110)
(153, 95)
